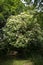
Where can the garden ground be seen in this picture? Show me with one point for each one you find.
(31, 60)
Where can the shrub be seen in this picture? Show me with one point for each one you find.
(22, 31)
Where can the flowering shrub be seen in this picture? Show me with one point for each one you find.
(22, 31)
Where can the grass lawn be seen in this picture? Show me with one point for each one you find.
(32, 60)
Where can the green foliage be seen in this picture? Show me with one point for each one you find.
(2, 20)
(23, 31)
(40, 19)
(10, 7)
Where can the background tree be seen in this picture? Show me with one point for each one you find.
(9, 7)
